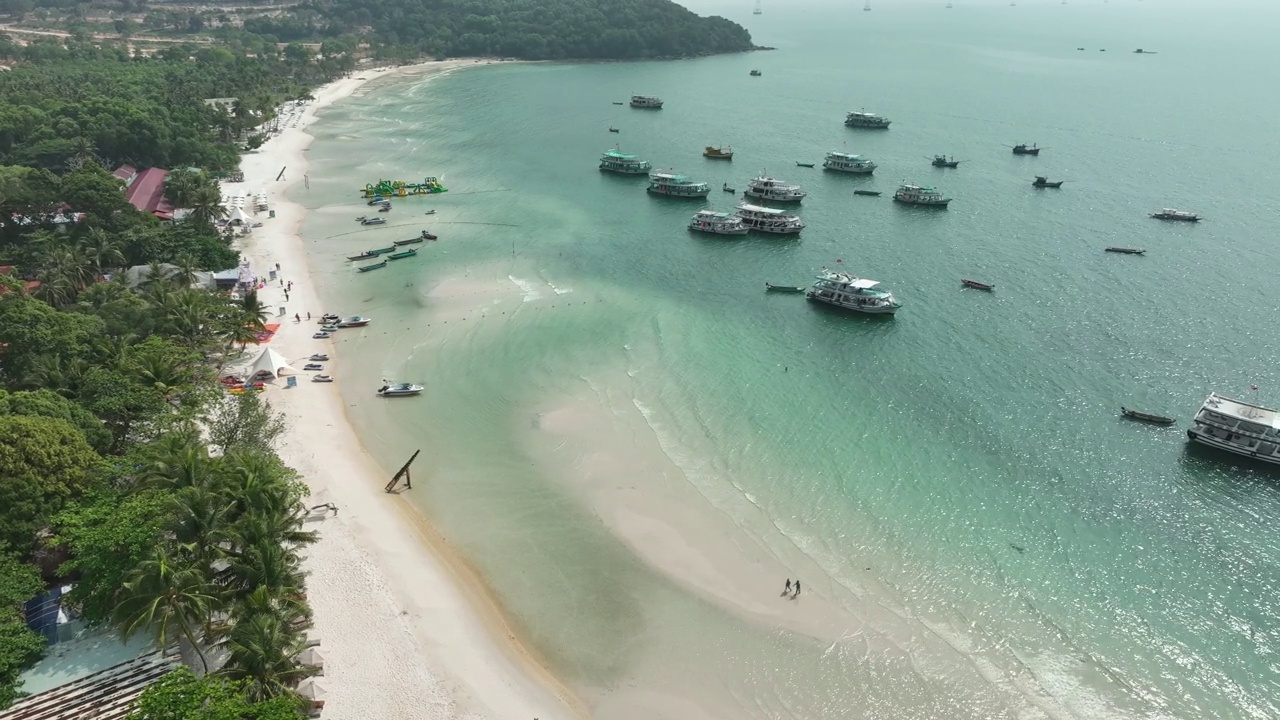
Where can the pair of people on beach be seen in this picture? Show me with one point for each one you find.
(787, 590)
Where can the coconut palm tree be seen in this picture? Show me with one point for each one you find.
(178, 460)
(206, 206)
(265, 564)
(169, 596)
(261, 649)
(201, 518)
(180, 186)
(102, 250)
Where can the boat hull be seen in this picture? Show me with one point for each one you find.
(863, 170)
(711, 230)
(683, 195)
(622, 171)
(924, 203)
(1198, 436)
(774, 198)
(863, 309)
(1146, 417)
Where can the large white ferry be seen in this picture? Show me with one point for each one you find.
(769, 220)
(852, 293)
(1238, 427)
(620, 162)
(717, 223)
(919, 195)
(844, 162)
(647, 102)
(866, 120)
(674, 185)
(767, 188)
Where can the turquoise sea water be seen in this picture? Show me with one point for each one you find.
(960, 467)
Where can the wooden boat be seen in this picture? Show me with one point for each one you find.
(718, 153)
(1126, 251)
(728, 189)
(1146, 417)
(783, 288)
(410, 241)
(868, 193)
(613, 129)
(757, 73)
(1024, 149)
(1043, 182)
(363, 256)
(618, 103)
(942, 162)
(800, 164)
(401, 255)
(375, 266)
(977, 285)
(383, 251)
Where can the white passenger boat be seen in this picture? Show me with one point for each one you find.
(717, 223)
(679, 186)
(866, 120)
(852, 293)
(646, 102)
(620, 162)
(1238, 427)
(767, 188)
(844, 162)
(769, 220)
(399, 389)
(920, 195)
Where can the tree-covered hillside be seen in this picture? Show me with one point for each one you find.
(528, 29)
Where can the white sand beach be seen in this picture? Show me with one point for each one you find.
(406, 628)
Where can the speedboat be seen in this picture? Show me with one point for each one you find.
(329, 317)
(374, 221)
(977, 285)
(1126, 250)
(852, 293)
(354, 321)
(313, 366)
(321, 335)
(319, 357)
(399, 389)
(1146, 416)
(429, 212)
(328, 328)
(321, 378)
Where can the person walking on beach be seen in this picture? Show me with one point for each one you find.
(787, 589)
(797, 589)
(297, 318)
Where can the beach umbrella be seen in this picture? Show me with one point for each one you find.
(311, 657)
(311, 690)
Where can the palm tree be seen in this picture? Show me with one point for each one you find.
(178, 460)
(201, 518)
(261, 649)
(83, 150)
(169, 596)
(206, 206)
(265, 564)
(180, 186)
(102, 250)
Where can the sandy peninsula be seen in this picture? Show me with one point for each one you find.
(406, 628)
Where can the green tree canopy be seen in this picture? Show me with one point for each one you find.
(46, 403)
(19, 647)
(180, 695)
(44, 462)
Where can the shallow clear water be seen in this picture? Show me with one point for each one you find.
(967, 452)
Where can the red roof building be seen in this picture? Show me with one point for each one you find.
(146, 192)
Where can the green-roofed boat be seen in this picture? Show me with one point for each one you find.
(617, 161)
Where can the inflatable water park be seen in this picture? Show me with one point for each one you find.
(399, 188)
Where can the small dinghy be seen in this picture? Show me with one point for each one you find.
(1126, 251)
(868, 193)
(800, 164)
(321, 378)
(614, 129)
(783, 288)
(320, 335)
(728, 189)
(375, 266)
(977, 285)
(1146, 417)
(319, 357)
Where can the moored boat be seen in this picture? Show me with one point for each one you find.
(410, 241)
(718, 153)
(847, 162)
(1146, 417)
(614, 129)
(1043, 182)
(977, 285)
(1126, 250)
(869, 193)
(1171, 214)
(942, 162)
(1024, 149)
(375, 266)
(767, 188)
(374, 221)
(717, 223)
(1238, 427)
(321, 378)
(646, 102)
(354, 321)
(862, 119)
(363, 256)
(805, 165)
(402, 255)
(920, 195)
(319, 357)
(728, 189)
(399, 389)
(783, 288)
(678, 186)
(620, 162)
(769, 220)
(756, 73)
(852, 293)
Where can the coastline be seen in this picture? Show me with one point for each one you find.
(406, 626)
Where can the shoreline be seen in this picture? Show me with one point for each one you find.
(407, 627)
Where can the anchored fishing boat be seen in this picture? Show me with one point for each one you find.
(1024, 149)
(717, 223)
(852, 293)
(1171, 214)
(1043, 182)
(678, 186)
(718, 153)
(866, 120)
(756, 73)
(363, 256)
(769, 220)
(977, 285)
(846, 162)
(620, 162)
(767, 188)
(1146, 417)
(770, 287)
(942, 162)
(401, 255)
(920, 195)
(375, 266)
(646, 102)
(1238, 427)
(1126, 250)
(869, 193)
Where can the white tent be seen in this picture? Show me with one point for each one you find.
(238, 215)
(272, 364)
